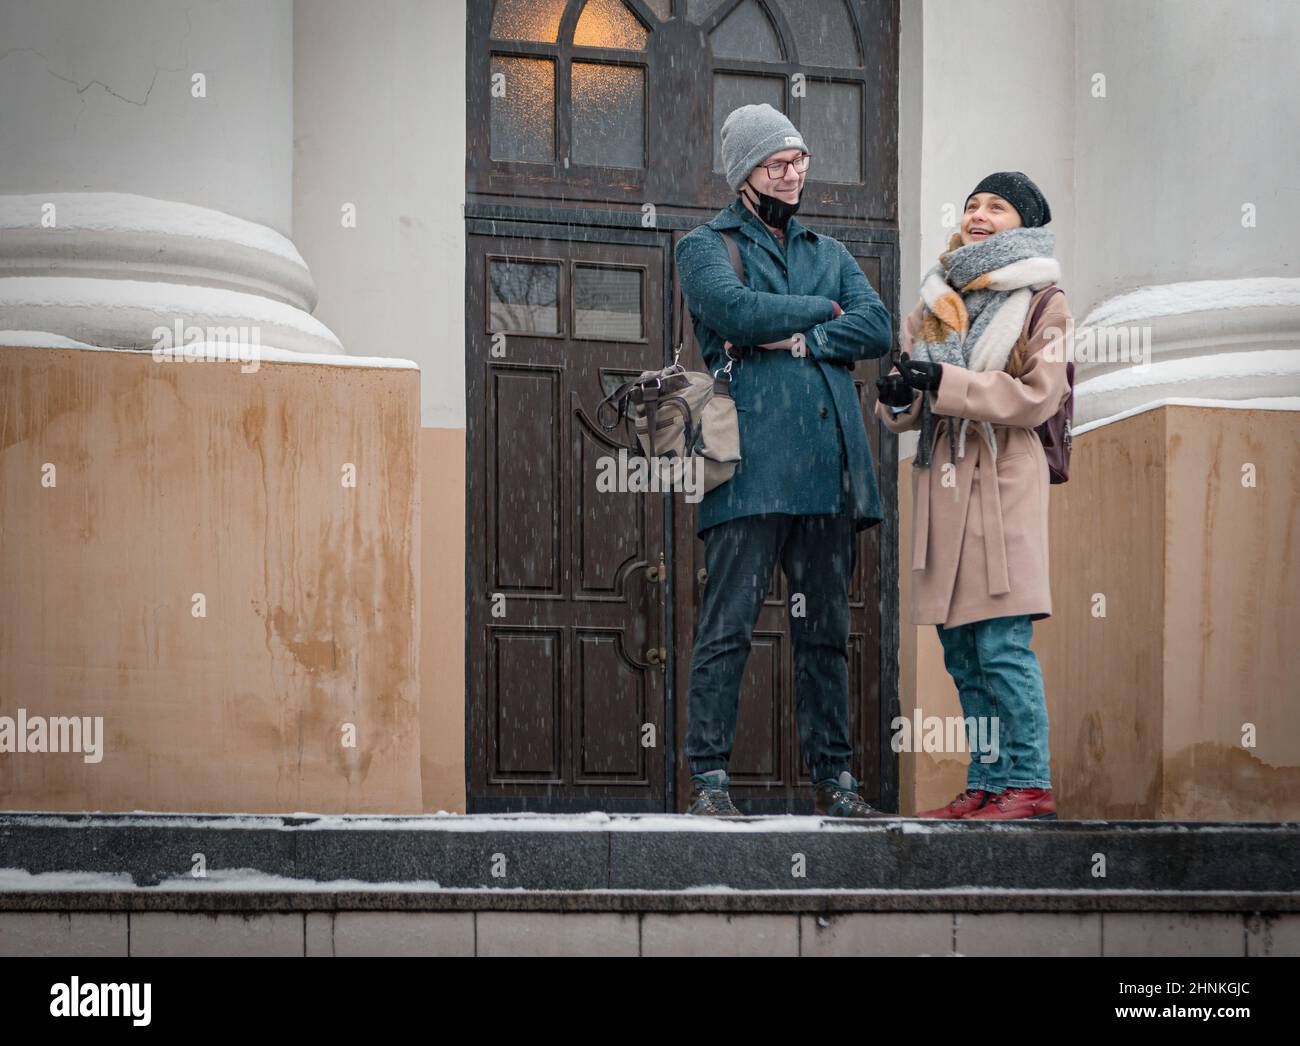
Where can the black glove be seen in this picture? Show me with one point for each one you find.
(894, 391)
(920, 375)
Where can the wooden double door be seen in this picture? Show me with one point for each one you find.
(582, 600)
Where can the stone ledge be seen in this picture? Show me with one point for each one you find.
(660, 854)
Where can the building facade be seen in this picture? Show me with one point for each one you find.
(451, 226)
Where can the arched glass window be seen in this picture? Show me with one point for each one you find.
(802, 57)
(623, 101)
(569, 81)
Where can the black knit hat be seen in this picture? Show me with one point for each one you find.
(1016, 188)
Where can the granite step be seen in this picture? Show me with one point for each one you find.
(600, 854)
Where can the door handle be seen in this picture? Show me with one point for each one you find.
(656, 656)
(656, 574)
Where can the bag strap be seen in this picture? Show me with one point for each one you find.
(617, 401)
(738, 267)
(1042, 304)
(679, 320)
(733, 252)
(679, 315)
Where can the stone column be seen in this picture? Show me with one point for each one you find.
(1185, 161)
(146, 175)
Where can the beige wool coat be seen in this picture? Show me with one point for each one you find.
(980, 544)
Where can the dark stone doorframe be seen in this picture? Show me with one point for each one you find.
(506, 198)
(581, 225)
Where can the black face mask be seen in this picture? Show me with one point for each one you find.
(772, 210)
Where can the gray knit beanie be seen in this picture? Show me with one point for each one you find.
(750, 135)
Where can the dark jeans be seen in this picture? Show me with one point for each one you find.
(818, 555)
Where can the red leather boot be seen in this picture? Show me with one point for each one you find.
(1017, 803)
(964, 805)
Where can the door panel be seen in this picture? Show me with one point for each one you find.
(565, 605)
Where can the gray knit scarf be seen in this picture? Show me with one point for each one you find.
(976, 300)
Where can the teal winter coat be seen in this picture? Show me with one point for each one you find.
(800, 423)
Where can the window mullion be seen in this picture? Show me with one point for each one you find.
(563, 108)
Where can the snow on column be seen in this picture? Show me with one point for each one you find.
(146, 177)
(1186, 209)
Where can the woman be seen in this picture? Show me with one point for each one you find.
(976, 381)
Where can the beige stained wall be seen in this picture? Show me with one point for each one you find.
(180, 478)
(1104, 675)
(1232, 581)
(442, 636)
(1148, 703)
(176, 479)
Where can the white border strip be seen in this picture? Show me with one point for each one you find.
(1260, 403)
(264, 353)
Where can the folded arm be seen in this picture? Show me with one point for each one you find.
(863, 332)
(726, 306)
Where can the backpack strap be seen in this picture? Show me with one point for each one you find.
(1054, 433)
(1020, 351)
(1037, 314)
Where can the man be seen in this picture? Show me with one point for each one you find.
(806, 485)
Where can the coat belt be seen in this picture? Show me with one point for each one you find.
(995, 547)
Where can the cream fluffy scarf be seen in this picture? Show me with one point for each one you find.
(976, 300)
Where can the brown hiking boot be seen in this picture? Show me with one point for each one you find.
(709, 795)
(838, 797)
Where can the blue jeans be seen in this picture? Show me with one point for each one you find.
(999, 681)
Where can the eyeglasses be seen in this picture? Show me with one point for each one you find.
(776, 169)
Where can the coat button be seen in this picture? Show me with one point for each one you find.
(823, 412)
